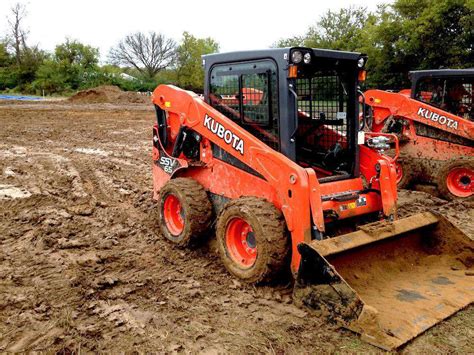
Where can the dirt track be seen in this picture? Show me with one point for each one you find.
(83, 268)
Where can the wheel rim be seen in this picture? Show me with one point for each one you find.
(399, 171)
(460, 182)
(173, 215)
(241, 242)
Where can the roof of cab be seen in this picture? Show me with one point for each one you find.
(277, 54)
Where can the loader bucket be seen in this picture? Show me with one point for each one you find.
(389, 281)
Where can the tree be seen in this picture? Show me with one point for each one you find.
(148, 53)
(440, 33)
(406, 35)
(6, 60)
(341, 30)
(21, 72)
(49, 77)
(189, 71)
(296, 41)
(31, 59)
(412, 35)
(17, 33)
(73, 66)
(73, 52)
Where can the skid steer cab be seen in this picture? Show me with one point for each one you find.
(273, 158)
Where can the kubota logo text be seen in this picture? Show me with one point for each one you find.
(433, 116)
(219, 130)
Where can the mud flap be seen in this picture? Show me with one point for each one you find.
(387, 281)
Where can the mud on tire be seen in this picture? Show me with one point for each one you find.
(405, 174)
(445, 188)
(269, 235)
(195, 211)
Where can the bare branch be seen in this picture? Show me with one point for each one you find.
(149, 54)
(18, 34)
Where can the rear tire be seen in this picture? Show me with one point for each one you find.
(456, 179)
(185, 211)
(404, 175)
(252, 239)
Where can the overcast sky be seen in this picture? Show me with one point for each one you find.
(235, 24)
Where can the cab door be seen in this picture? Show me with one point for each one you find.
(247, 93)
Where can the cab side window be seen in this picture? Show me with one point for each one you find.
(453, 95)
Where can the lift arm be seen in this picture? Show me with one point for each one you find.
(387, 104)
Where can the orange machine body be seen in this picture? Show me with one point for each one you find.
(394, 105)
(431, 135)
(304, 201)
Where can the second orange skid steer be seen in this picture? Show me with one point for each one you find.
(273, 158)
(434, 122)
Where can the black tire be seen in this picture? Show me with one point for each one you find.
(195, 206)
(268, 232)
(442, 177)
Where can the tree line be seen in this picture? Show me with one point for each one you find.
(139, 62)
(403, 36)
(406, 35)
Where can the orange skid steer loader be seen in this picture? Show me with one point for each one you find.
(434, 121)
(273, 157)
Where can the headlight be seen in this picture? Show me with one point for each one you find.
(296, 57)
(307, 58)
(361, 62)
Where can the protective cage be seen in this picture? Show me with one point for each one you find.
(326, 122)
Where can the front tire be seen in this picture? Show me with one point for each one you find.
(252, 239)
(456, 179)
(185, 211)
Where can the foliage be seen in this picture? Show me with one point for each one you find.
(21, 75)
(73, 52)
(407, 35)
(189, 71)
(5, 57)
(50, 78)
(341, 30)
(73, 66)
(6, 60)
(415, 35)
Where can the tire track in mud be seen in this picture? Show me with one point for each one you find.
(99, 247)
(82, 265)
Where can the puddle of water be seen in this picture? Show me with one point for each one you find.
(409, 295)
(8, 171)
(7, 152)
(441, 280)
(12, 192)
(92, 151)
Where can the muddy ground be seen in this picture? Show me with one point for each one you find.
(83, 267)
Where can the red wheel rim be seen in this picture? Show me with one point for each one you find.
(460, 182)
(399, 170)
(241, 243)
(173, 215)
